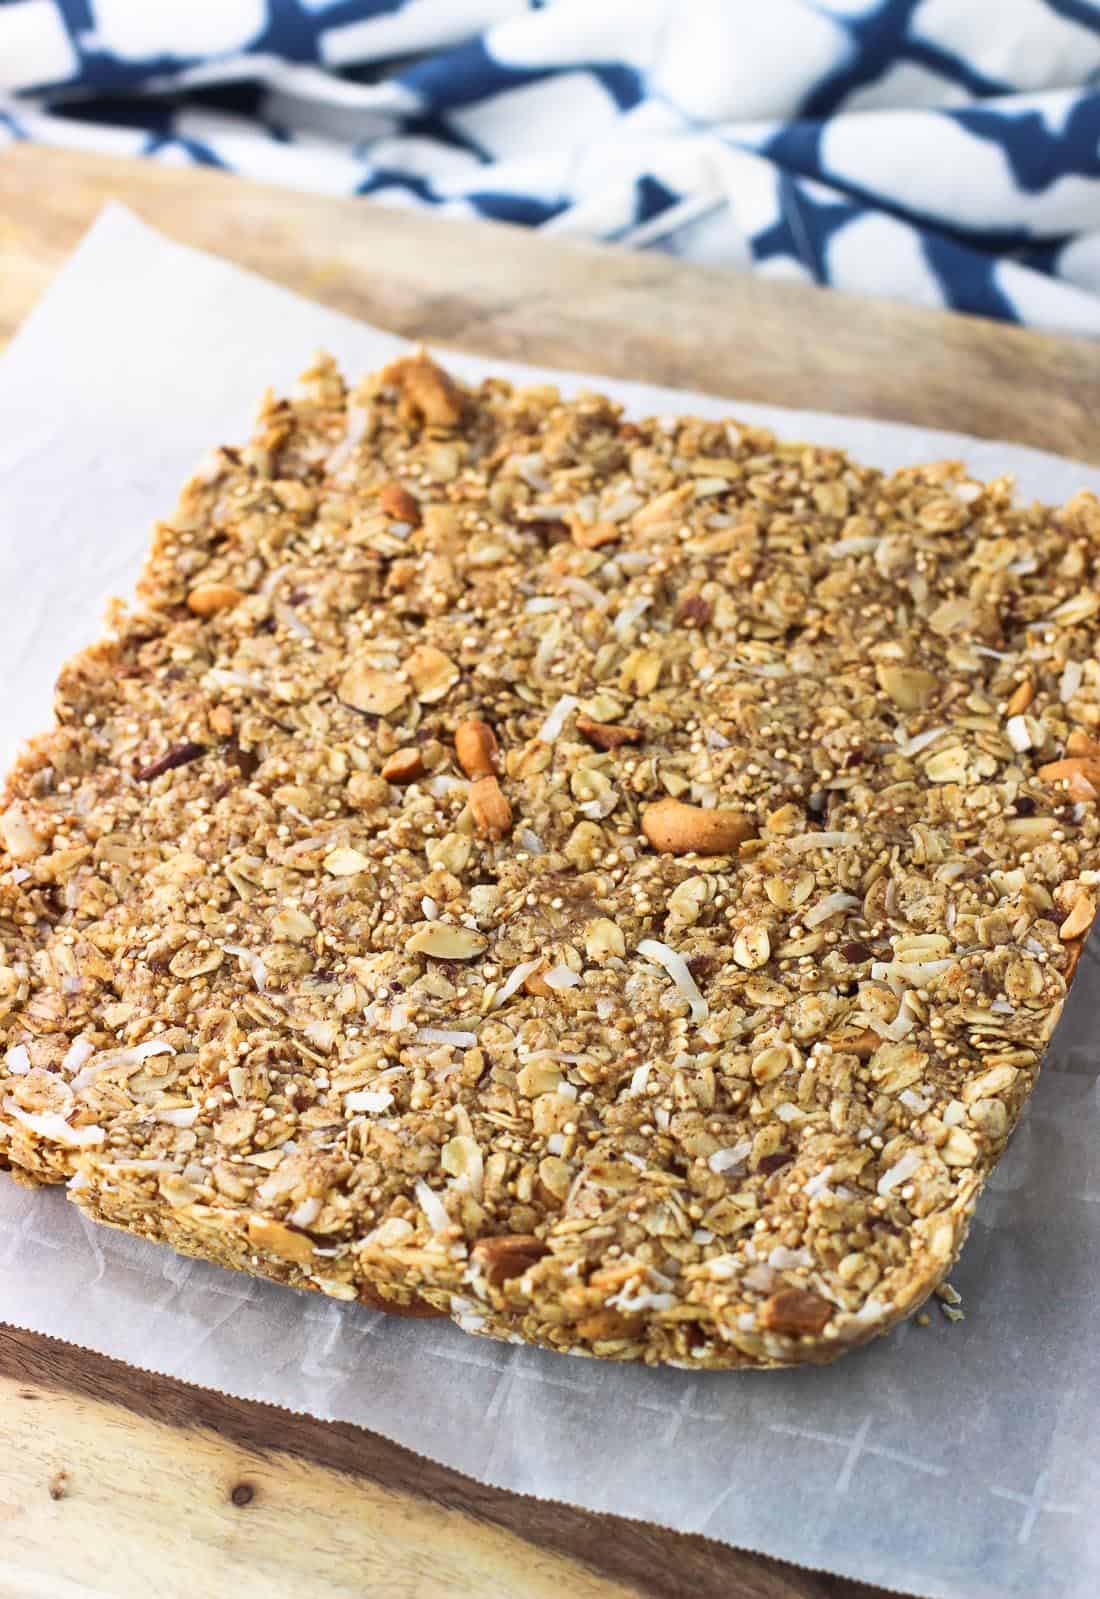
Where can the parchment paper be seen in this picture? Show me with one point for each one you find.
(952, 1460)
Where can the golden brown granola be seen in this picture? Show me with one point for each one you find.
(610, 882)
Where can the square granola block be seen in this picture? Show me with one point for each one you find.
(609, 882)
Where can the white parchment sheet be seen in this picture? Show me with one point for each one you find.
(952, 1460)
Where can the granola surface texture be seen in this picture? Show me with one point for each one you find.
(610, 882)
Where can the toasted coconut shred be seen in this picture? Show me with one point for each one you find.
(684, 1017)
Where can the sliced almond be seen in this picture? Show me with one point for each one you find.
(432, 672)
(1079, 919)
(446, 942)
(374, 692)
(345, 862)
(275, 1239)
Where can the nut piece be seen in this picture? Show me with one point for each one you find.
(208, 598)
(376, 693)
(795, 1310)
(427, 392)
(476, 747)
(1080, 772)
(344, 862)
(368, 1294)
(403, 766)
(510, 1255)
(591, 535)
(433, 673)
(603, 938)
(446, 942)
(1080, 917)
(18, 835)
(489, 808)
(674, 828)
(397, 502)
(607, 735)
(608, 1323)
(1020, 698)
(275, 1239)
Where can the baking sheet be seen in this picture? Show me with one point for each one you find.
(953, 1460)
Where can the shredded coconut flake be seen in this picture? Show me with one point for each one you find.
(432, 1206)
(79, 1051)
(830, 906)
(17, 1061)
(305, 1214)
(639, 1078)
(514, 980)
(784, 1259)
(731, 1159)
(631, 612)
(677, 968)
(860, 546)
(529, 840)
(902, 1024)
(256, 967)
(630, 1304)
(54, 1128)
(552, 726)
(900, 1171)
(917, 972)
(179, 1116)
(560, 977)
(1018, 734)
(807, 841)
(446, 1035)
(818, 1183)
(920, 741)
(357, 427)
(370, 1100)
(1073, 675)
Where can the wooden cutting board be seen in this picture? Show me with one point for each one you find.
(114, 1483)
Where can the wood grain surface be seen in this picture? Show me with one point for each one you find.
(114, 1483)
(508, 292)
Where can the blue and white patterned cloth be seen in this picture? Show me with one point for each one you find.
(945, 152)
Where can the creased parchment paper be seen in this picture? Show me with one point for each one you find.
(948, 1460)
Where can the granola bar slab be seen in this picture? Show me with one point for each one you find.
(610, 882)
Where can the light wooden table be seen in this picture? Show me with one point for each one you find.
(114, 1483)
